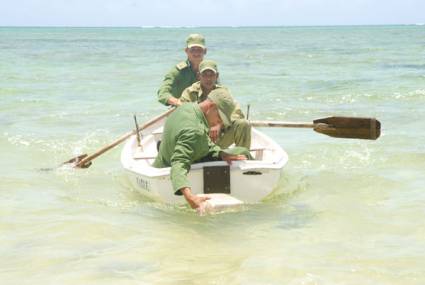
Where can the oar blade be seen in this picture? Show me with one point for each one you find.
(75, 162)
(349, 127)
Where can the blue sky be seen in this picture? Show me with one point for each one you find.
(209, 12)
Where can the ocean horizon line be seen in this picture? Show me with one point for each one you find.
(206, 27)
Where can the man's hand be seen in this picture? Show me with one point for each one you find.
(231, 157)
(174, 101)
(215, 133)
(194, 201)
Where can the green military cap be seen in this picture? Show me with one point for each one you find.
(207, 64)
(195, 40)
(225, 104)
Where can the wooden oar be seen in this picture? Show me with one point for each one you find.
(84, 160)
(338, 127)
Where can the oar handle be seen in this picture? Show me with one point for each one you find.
(281, 124)
(122, 138)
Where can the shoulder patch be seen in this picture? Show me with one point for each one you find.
(181, 65)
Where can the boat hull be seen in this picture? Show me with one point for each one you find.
(249, 181)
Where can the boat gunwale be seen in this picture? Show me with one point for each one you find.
(146, 169)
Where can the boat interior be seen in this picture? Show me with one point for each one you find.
(262, 148)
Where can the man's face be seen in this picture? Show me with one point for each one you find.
(208, 79)
(213, 117)
(195, 54)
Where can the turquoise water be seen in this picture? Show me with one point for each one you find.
(344, 212)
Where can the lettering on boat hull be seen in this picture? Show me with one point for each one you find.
(144, 184)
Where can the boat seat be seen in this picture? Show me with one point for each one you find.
(143, 156)
(140, 154)
(259, 152)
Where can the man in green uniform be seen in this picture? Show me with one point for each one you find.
(239, 132)
(184, 73)
(186, 140)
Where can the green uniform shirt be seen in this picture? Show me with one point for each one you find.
(175, 81)
(185, 140)
(194, 93)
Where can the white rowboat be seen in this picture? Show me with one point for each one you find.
(248, 181)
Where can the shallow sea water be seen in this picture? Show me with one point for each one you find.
(344, 211)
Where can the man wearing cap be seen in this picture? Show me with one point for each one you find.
(185, 140)
(184, 73)
(239, 131)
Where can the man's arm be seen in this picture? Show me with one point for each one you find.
(188, 143)
(194, 201)
(165, 92)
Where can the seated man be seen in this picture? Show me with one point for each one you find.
(186, 140)
(239, 131)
